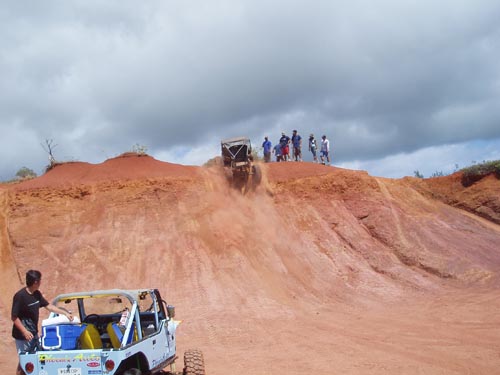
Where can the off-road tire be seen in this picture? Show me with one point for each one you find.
(193, 362)
(132, 371)
(257, 176)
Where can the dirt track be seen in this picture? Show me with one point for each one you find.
(321, 271)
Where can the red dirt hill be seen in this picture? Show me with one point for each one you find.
(321, 270)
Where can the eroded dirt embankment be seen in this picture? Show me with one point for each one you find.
(307, 265)
(481, 198)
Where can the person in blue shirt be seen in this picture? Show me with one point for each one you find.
(297, 144)
(278, 152)
(267, 145)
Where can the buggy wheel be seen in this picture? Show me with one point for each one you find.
(256, 175)
(228, 174)
(132, 371)
(193, 362)
(240, 179)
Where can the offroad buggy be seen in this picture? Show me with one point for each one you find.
(122, 332)
(238, 162)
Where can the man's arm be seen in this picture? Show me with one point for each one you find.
(60, 311)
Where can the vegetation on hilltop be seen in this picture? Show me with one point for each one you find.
(470, 174)
(478, 171)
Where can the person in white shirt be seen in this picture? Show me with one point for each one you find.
(325, 149)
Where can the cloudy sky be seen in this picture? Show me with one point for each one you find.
(396, 85)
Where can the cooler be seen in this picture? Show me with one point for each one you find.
(63, 336)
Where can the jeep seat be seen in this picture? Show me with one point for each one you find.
(116, 334)
(90, 338)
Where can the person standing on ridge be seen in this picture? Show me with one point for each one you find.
(325, 149)
(25, 313)
(277, 152)
(297, 145)
(285, 151)
(267, 145)
(313, 147)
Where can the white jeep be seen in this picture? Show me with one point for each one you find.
(122, 332)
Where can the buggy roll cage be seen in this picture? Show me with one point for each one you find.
(236, 150)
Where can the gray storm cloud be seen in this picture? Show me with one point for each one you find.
(380, 78)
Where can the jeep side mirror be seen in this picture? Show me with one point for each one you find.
(171, 311)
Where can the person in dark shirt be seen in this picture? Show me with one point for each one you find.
(313, 147)
(25, 313)
(285, 151)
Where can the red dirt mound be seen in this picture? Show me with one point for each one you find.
(320, 270)
(126, 167)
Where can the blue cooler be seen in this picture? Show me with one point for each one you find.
(62, 336)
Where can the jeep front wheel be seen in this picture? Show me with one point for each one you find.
(193, 362)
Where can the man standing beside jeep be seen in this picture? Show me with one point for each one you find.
(25, 314)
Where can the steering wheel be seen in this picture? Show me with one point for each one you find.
(92, 319)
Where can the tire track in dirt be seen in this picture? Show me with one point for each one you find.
(8, 270)
(7, 264)
(401, 246)
(485, 222)
(397, 220)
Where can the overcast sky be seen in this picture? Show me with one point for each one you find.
(396, 85)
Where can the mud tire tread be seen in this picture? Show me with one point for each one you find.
(194, 363)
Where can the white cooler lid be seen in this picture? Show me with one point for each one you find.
(61, 319)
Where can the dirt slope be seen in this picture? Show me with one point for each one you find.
(481, 198)
(321, 270)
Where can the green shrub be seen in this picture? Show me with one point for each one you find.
(140, 150)
(25, 172)
(478, 171)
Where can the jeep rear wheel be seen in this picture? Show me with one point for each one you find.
(132, 371)
(193, 362)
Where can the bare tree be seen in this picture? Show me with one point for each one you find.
(49, 147)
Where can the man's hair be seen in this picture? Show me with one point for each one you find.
(32, 276)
